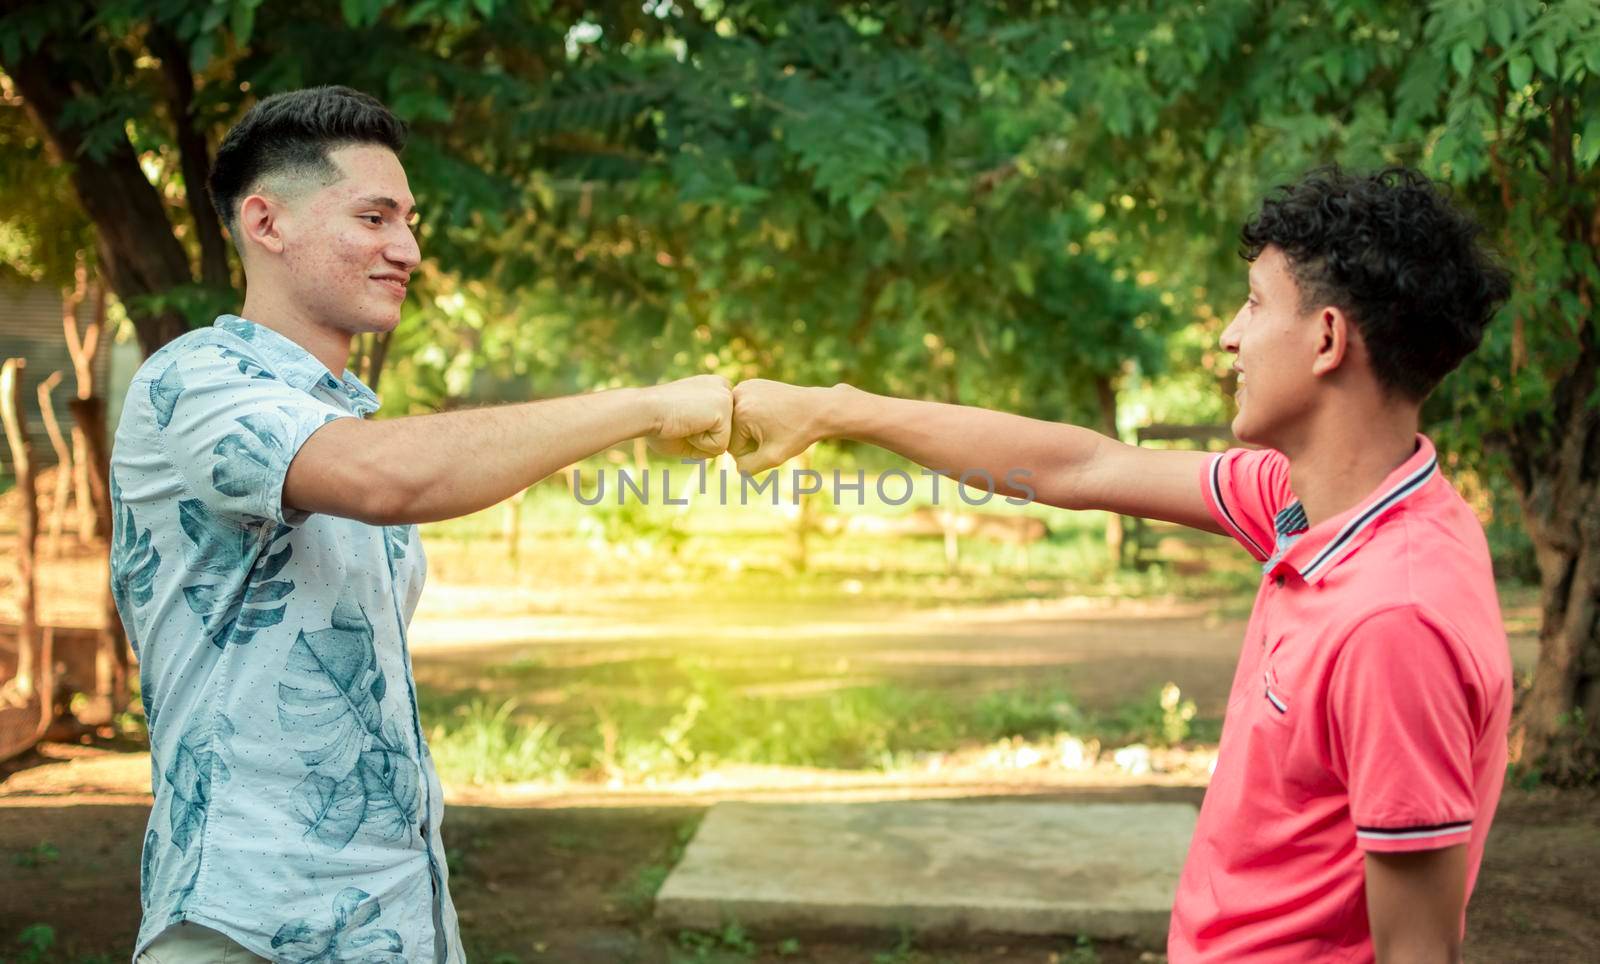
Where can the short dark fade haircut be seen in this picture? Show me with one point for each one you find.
(1390, 250)
(292, 134)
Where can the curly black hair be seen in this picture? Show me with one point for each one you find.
(1390, 250)
(292, 133)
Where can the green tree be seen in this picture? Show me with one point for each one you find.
(1007, 203)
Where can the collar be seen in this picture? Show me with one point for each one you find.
(1315, 551)
(296, 366)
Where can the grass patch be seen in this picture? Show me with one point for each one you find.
(679, 718)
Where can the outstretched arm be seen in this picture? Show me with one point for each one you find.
(1063, 465)
(430, 467)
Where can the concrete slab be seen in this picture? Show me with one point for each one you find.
(936, 868)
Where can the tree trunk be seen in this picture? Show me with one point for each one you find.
(139, 253)
(34, 679)
(193, 156)
(1556, 469)
(90, 463)
(58, 507)
(375, 359)
(95, 462)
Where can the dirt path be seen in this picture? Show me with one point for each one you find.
(571, 883)
(1110, 650)
(565, 875)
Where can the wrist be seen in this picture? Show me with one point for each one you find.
(651, 409)
(832, 411)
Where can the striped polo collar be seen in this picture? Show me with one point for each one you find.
(296, 366)
(1316, 550)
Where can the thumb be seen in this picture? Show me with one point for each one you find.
(742, 439)
(754, 462)
(709, 444)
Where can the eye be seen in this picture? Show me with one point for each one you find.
(373, 219)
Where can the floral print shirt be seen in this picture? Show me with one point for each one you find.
(296, 806)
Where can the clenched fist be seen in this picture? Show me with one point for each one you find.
(693, 416)
(773, 422)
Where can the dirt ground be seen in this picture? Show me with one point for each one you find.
(566, 883)
(567, 874)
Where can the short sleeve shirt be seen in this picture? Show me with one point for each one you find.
(296, 806)
(1368, 712)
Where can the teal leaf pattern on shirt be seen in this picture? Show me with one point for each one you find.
(254, 460)
(147, 861)
(330, 696)
(396, 540)
(133, 558)
(134, 563)
(331, 700)
(390, 782)
(164, 392)
(248, 596)
(331, 809)
(197, 764)
(247, 365)
(346, 938)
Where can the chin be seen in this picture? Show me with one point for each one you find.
(1245, 432)
(375, 323)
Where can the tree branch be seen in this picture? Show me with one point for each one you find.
(140, 254)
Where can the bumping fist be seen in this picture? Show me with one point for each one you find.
(694, 417)
(772, 423)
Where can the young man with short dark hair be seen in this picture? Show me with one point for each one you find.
(266, 563)
(1364, 743)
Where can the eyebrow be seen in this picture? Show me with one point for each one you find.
(380, 201)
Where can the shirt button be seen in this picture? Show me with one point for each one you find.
(1278, 580)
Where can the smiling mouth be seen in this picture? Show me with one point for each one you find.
(393, 284)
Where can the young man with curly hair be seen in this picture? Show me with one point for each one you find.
(1364, 743)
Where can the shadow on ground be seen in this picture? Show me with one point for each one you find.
(574, 885)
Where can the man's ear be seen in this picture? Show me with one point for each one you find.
(1336, 338)
(258, 224)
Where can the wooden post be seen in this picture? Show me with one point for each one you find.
(34, 679)
(92, 465)
(88, 431)
(58, 508)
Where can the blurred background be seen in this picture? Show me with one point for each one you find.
(1025, 205)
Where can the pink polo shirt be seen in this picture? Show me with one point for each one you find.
(1368, 711)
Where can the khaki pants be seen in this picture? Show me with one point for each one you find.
(190, 943)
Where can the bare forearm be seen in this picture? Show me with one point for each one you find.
(1044, 456)
(430, 467)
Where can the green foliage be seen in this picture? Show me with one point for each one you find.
(1164, 718)
(34, 943)
(1082, 952)
(730, 943)
(44, 852)
(482, 745)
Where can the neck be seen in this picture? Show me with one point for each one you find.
(1349, 454)
(328, 345)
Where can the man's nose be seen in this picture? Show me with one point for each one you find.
(405, 252)
(1230, 334)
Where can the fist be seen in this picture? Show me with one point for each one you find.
(772, 423)
(693, 417)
